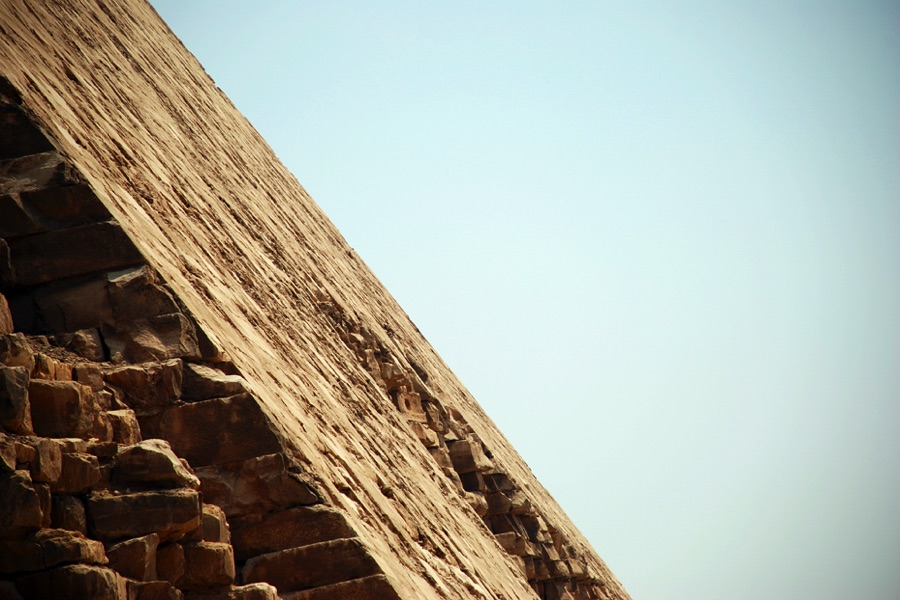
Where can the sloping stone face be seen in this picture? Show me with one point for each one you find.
(203, 391)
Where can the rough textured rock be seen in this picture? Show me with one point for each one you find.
(15, 410)
(152, 463)
(143, 220)
(135, 558)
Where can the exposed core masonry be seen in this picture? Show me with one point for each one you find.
(204, 392)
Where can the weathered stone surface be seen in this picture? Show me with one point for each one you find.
(85, 343)
(45, 500)
(72, 304)
(148, 387)
(63, 206)
(171, 563)
(467, 456)
(8, 453)
(312, 566)
(6, 320)
(252, 591)
(47, 464)
(152, 463)
(373, 587)
(135, 558)
(33, 172)
(15, 409)
(153, 590)
(61, 408)
(48, 548)
(71, 252)
(74, 582)
(67, 512)
(214, 526)
(257, 534)
(80, 472)
(171, 513)
(47, 367)
(241, 430)
(207, 564)
(136, 294)
(15, 351)
(125, 426)
(255, 485)
(20, 510)
(202, 383)
(155, 338)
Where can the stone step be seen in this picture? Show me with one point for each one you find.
(254, 535)
(316, 565)
(373, 587)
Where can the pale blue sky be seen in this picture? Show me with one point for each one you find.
(658, 241)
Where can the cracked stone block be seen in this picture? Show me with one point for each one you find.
(170, 513)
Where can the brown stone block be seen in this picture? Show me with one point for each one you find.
(170, 513)
(15, 351)
(152, 463)
(467, 456)
(64, 206)
(213, 432)
(61, 546)
(74, 582)
(86, 343)
(256, 485)
(150, 386)
(154, 338)
(207, 564)
(8, 453)
(61, 408)
(125, 427)
(72, 304)
(214, 526)
(72, 252)
(253, 591)
(135, 558)
(311, 566)
(67, 512)
(153, 590)
(171, 563)
(253, 535)
(136, 293)
(202, 382)
(6, 320)
(373, 587)
(47, 464)
(20, 511)
(80, 472)
(15, 409)
(34, 171)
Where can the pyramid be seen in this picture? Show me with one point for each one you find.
(204, 390)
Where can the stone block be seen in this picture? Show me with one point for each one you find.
(48, 548)
(311, 566)
(61, 408)
(74, 582)
(256, 485)
(254, 591)
(72, 304)
(135, 558)
(171, 563)
(47, 367)
(67, 512)
(152, 463)
(214, 526)
(45, 499)
(137, 293)
(64, 206)
(80, 472)
(86, 343)
(153, 590)
(170, 513)
(6, 320)
(20, 511)
(15, 351)
(257, 534)
(373, 587)
(207, 564)
(150, 386)
(467, 456)
(47, 464)
(15, 409)
(498, 503)
(203, 383)
(8, 453)
(89, 374)
(71, 253)
(153, 338)
(125, 427)
(213, 432)
(20, 136)
(33, 172)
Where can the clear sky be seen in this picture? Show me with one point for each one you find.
(658, 241)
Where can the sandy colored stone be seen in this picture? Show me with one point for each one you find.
(253, 535)
(148, 386)
(6, 320)
(373, 587)
(151, 463)
(125, 427)
(202, 382)
(15, 351)
(214, 525)
(171, 513)
(80, 472)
